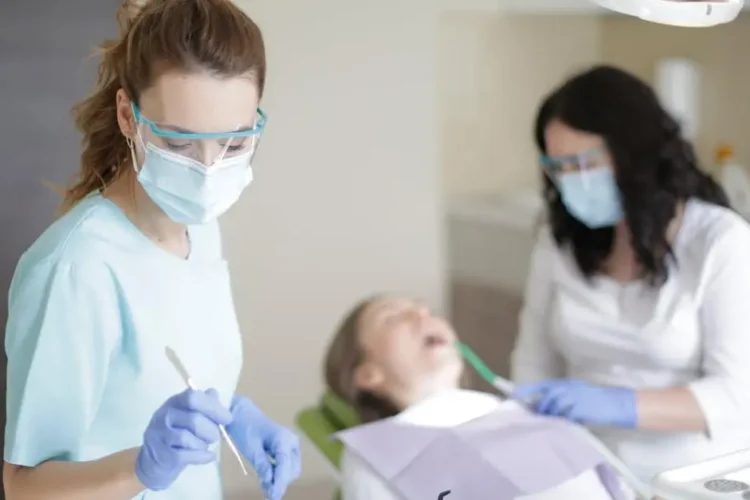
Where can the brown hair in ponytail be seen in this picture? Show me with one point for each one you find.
(209, 35)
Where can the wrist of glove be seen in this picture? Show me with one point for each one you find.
(272, 449)
(582, 402)
(178, 435)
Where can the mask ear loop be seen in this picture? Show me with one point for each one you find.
(131, 146)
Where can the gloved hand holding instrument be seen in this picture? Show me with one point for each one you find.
(582, 402)
(179, 435)
(272, 449)
(533, 396)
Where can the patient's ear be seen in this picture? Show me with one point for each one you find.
(368, 377)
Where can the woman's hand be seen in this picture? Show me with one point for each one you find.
(179, 435)
(582, 402)
(259, 438)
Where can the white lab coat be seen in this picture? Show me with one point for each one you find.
(694, 331)
(448, 409)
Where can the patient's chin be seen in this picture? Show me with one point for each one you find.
(447, 375)
(446, 359)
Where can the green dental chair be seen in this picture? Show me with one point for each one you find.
(319, 423)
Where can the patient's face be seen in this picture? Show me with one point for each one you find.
(409, 352)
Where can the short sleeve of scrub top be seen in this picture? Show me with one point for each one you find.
(92, 305)
(59, 339)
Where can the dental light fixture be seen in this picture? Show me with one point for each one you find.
(688, 13)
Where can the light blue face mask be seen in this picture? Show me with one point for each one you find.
(591, 196)
(187, 191)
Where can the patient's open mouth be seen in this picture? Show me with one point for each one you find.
(434, 340)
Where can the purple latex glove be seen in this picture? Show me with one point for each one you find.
(582, 402)
(178, 436)
(257, 437)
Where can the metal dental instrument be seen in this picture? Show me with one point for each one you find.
(175, 360)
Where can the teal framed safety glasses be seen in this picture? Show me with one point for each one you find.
(557, 165)
(260, 124)
(206, 148)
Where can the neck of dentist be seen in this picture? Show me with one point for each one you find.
(128, 194)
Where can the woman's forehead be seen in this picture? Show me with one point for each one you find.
(375, 318)
(201, 102)
(385, 306)
(562, 140)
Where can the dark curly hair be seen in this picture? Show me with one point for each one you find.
(655, 167)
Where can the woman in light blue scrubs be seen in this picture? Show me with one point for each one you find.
(95, 409)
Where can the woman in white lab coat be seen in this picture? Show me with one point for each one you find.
(637, 304)
(392, 357)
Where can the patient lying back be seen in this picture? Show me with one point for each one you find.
(392, 357)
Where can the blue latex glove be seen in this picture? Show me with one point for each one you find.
(179, 435)
(258, 437)
(582, 402)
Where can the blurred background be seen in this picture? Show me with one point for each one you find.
(398, 157)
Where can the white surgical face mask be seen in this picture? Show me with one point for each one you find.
(188, 191)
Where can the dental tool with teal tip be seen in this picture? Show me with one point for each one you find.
(503, 385)
(506, 388)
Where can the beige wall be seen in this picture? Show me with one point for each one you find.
(725, 63)
(345, 200)
(493, 70)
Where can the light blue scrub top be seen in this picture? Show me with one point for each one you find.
(93, 303)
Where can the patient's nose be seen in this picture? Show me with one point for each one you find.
(421, 315)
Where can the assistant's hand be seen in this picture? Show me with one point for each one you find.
(179, 435)
(258, 437)
(582, 402)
